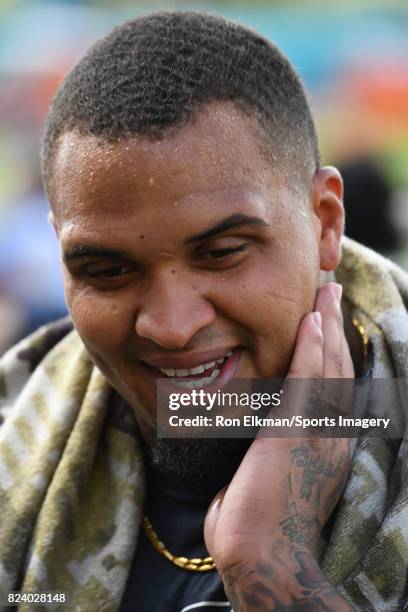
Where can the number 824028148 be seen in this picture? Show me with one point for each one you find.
(37, 598)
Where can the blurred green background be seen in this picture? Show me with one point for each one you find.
(352, 56)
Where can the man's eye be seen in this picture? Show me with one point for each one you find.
(113, 272)
(221, 253)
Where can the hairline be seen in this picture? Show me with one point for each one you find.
(265, 144)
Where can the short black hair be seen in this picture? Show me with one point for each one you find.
(154, 72)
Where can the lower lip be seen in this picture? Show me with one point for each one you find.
(227, 373)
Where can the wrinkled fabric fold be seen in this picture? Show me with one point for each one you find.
(71, 484)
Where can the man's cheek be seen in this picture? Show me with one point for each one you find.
(98, 321)
(276, 351)
(276, 331)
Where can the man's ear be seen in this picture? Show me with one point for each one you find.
(327, 203)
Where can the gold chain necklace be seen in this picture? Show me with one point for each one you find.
(361, 330)
(194, 565)
(207, 564)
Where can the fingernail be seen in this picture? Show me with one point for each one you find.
(317, 319)
(337, 291)
(215, 506)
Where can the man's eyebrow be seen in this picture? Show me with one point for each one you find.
(83, 250)
(230, 222)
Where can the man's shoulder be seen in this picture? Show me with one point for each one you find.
(35, 347)
(376, 289)
(355, 252)
(47, 352)
(371, 281)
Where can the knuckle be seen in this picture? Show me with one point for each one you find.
(337, 360)
(317, 337)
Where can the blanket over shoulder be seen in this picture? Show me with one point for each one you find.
(72, 477)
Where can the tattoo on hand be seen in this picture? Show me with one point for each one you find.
(259, 588)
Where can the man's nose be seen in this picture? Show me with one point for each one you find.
(172, 312)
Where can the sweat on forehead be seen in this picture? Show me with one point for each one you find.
(220, 149)
(155, 72)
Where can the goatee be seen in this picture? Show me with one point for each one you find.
(198, 460)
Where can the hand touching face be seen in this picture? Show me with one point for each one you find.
(262, 530)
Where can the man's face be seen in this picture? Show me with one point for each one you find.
(183, 252)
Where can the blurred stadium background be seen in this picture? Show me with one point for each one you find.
(352, 56)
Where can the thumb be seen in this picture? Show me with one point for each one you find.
(210, 523)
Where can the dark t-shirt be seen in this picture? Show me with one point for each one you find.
(176, 511)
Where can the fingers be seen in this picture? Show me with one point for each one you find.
(337, 363)
(307, 365)
(328, 304)
(307, 360)
(348, 366)
(321, 349)
(322, 352)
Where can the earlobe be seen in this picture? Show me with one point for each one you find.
(328, 208)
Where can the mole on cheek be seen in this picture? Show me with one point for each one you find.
(141, 237)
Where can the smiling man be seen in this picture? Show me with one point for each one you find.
(198, 234)
(179, 247)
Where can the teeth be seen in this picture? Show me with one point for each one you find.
(171, 372)
(198, 370)
(213, 375)
(199, 383)
(182, 372)
(168, 371)
(209, 365)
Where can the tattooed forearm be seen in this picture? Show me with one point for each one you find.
(299, 528)
(313, 487)
(316, 471)
(266, 588)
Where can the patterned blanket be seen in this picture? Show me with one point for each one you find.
(72, 478)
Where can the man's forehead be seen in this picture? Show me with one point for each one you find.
(209, 161)
(220, 147)
(213, 132)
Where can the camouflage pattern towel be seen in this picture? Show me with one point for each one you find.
(71, 471)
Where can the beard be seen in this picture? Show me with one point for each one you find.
(194, 460)
(198, 459)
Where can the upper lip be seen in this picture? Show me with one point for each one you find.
(188, 360)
